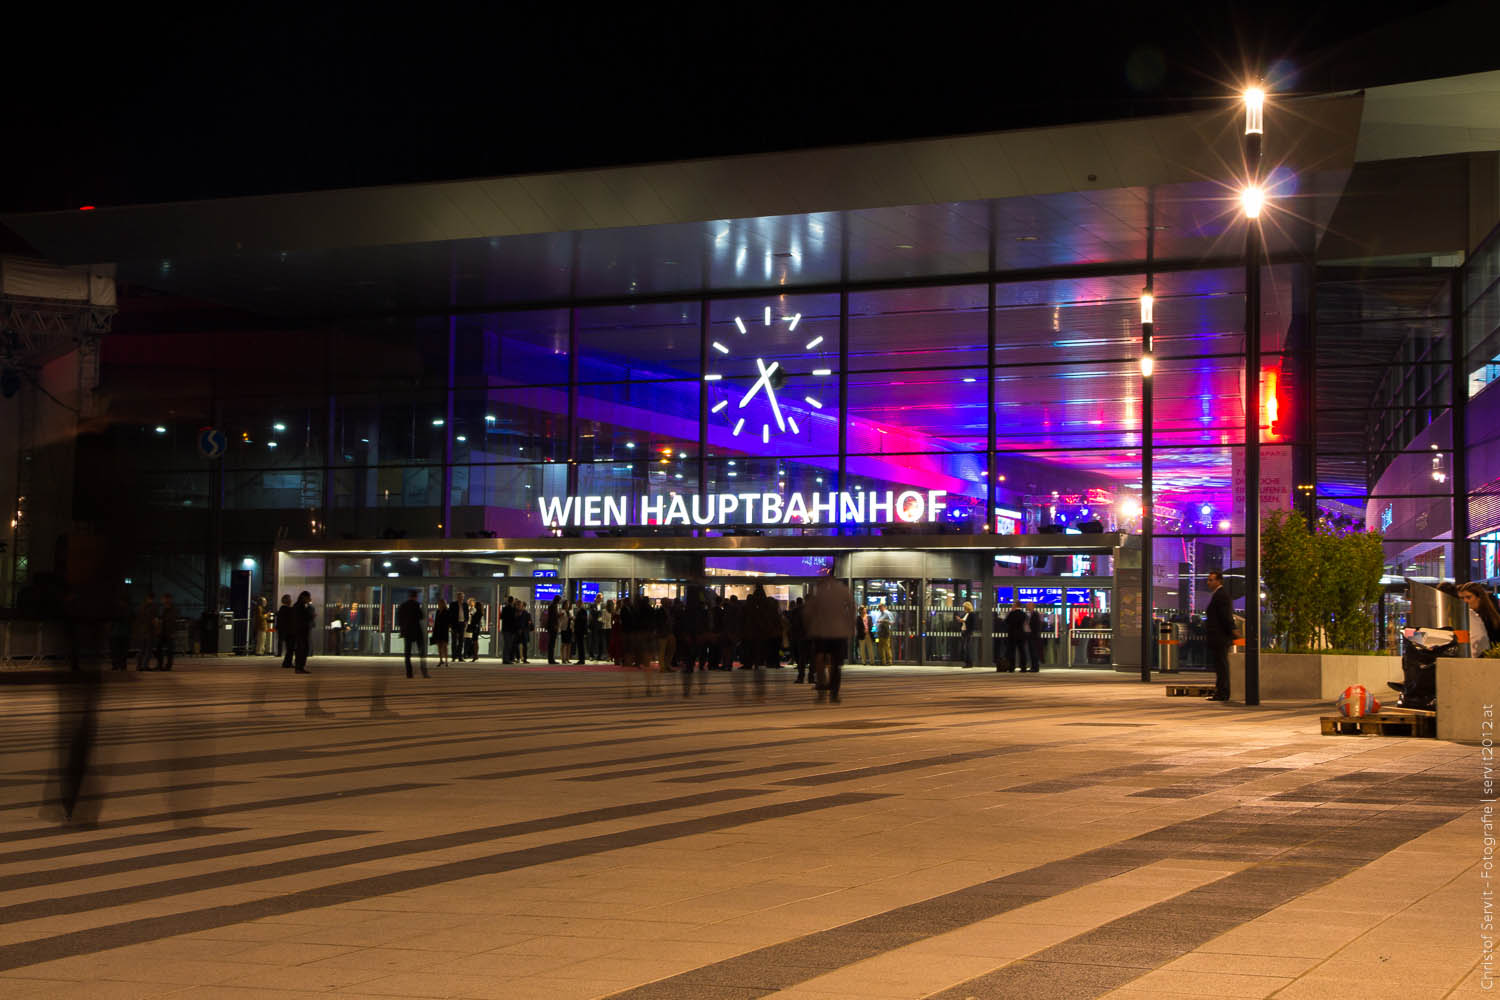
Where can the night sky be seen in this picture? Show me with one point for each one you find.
(135, 105)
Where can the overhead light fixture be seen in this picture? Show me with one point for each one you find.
(1252, 199)
(1255, 103)
(1148, 365)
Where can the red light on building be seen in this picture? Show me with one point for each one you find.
(1270, 402)
(85, 208)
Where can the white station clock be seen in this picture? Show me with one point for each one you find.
(758, 403)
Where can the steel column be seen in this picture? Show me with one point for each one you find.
(1148, 501)
(1253, 251)
(1459, 424)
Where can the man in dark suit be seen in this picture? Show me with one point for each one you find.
(508, 631)
(460, 620)
(1220, 629)
(1017, 649)
(304, 618)
(1035, 626)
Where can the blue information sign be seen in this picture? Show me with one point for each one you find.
(546, 591)
(212, 443)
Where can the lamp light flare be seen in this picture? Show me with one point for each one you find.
(739, 426)
(740, 323)
(814, 342)
(1252, 199)
(1148, 305)
(719, 405)
(813, 403)
(765, 433)
(795, 320)
(711, 377)
(1255, 103)
(792, 423)
(720, 348)
(822, 371)
(768, 315)
(1148, 365)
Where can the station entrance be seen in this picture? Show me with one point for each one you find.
(912, 590)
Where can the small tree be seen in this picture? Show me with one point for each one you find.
(1289, 569)
(1350, 568)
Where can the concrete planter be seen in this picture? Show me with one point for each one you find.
(1468, 699)
(1309, 676)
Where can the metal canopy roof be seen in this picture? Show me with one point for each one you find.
(1013, 201)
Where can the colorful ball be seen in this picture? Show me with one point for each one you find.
(1357, 701)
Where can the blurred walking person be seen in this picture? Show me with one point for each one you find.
(828, 617)
(166, 633)
(413, 631)
(145, 632)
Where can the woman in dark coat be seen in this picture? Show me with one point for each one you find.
(442, 628)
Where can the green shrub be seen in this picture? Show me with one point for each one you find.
(1321, 586)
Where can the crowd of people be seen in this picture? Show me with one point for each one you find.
(699, 630)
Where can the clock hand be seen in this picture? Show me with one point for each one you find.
(771, 395)
(764, 380)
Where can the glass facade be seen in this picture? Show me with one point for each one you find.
(1019, 399)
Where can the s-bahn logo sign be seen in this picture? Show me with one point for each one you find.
(860, 507)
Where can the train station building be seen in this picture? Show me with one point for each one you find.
(916, 365)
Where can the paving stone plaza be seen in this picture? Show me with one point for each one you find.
(514, 833)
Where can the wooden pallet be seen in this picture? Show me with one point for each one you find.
(1189, 690)
(1392, 722)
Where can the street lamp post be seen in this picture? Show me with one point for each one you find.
(1148, 516)
(1252, 198)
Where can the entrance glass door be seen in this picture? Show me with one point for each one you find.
(895, 608)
